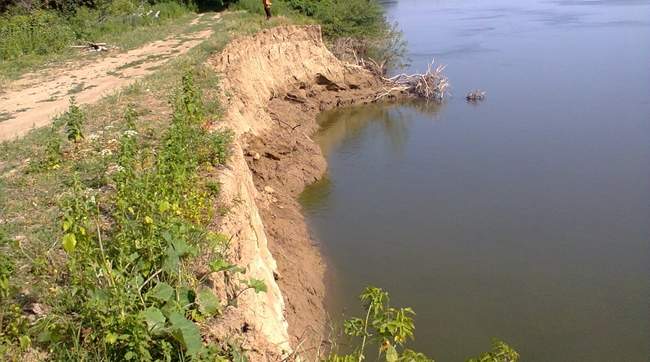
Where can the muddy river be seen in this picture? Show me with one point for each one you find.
(525, 217)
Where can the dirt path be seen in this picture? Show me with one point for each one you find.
(34, 99)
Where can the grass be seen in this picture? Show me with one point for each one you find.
(120, 33)
(62, 198)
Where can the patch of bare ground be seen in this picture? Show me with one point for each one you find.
(34, 99)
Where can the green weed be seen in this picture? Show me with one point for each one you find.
(41, 32)
(73, 119)
(384, 328)
(500, 352)
(132, 293)
(387, 330)
(52, 155)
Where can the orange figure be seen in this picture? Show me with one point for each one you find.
(267, 8)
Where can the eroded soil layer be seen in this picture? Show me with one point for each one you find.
(273, 86)
(284, 160)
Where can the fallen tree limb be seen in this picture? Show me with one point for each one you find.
(432, 85)
(93, 47)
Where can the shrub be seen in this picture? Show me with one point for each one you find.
(73, 119)
(354, 28)
(356, 18)
(29, 31)
(40, 32)
(387, 330)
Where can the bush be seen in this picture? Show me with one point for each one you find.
(354, 28)
(91, 24)
(40, 32)
(356, 18)
(24, 31)
(384, 331)
(339, 18)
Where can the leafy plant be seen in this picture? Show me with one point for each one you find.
(132, 293)
(500, 352)
(387, 330)
(383, 327)
(73, 119)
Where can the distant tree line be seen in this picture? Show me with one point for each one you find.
(68, 6)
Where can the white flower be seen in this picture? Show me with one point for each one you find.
(130, 133)
(114, 168)
(106, 152)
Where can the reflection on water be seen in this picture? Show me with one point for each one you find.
(523, 217)
(338, 125)
(348, 126)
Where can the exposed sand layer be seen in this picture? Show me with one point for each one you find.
(274, 84)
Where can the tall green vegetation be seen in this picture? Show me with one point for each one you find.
(129, 290)
(43, 30)
(382, 333)
(356, 18)
(354, 29)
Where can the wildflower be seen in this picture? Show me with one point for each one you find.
(106, 152)
(113, 169)
(130, 133)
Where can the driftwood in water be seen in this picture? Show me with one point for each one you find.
(432, 85)
(475, 95)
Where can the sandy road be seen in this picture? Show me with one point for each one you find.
(34, 99)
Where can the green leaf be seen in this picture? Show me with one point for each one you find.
(208, 302)
(219, 265)
(25, 342)
(181, 247)
(257, 284)
(186, 332)
(110, 338)
(162, 292)
(354, 327)
(171, 260)
(186, 296)
(163, 206)
(69, 242)
(391, 354)
(155, 320)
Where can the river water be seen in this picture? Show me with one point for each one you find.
(525, 217)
